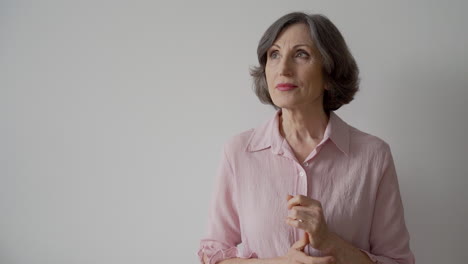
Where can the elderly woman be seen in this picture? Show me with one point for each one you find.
(306, 187)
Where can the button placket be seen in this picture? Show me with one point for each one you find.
(301, 189)
(304, 170)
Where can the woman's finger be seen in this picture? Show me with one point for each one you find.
(302, 212)
(301, 257)
(294, 223)
(302, 200)
(301, 243)
(321, 260)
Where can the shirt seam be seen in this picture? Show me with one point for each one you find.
(382, 163)
(235, 188)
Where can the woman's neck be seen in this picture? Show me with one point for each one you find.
(303, 125)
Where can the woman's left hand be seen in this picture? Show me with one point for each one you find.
(307, 214)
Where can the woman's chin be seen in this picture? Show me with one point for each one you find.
(286, 104)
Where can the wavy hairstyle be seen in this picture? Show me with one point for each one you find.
(340, 70)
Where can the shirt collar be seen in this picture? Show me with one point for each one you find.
(267, 135)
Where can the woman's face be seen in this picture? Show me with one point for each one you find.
(294, 70)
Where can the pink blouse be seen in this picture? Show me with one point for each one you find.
(350, 172)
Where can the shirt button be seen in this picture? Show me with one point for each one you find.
(301, 174)
(306, 164)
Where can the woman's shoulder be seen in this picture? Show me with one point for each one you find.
(252, 139)
(369, 143)
(238, 142)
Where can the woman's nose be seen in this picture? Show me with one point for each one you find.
(285, 68)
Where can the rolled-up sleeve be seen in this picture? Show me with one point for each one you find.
(223, 227)
(389, 237)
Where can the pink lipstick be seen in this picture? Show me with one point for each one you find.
(285, 86)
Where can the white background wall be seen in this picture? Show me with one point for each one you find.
(113, 115)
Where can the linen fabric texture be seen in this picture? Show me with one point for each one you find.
(351, 173)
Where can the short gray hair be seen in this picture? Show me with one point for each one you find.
(341, 72)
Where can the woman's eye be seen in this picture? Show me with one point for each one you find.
(274, 54)
(302, 54)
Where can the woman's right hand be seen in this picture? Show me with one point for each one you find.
(296, 254)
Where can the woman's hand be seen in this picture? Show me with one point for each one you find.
(296, 254)
(306, 214)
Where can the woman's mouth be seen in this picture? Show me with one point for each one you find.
(285, 86)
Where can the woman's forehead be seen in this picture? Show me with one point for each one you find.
(296, 34)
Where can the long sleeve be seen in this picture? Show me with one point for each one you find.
(223, 222)
(389, 237)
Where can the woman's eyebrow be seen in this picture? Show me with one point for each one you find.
(295, 46)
